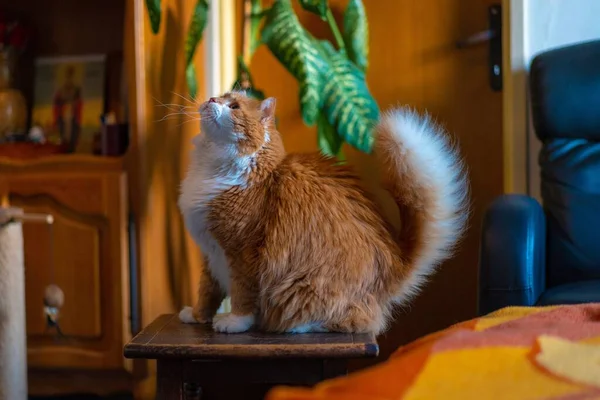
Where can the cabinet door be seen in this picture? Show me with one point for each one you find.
(85, 253)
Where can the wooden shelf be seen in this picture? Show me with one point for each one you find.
(91, 198)
(64, 162)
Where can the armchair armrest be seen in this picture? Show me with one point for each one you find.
(512, 268)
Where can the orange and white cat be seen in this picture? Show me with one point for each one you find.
(295, 239)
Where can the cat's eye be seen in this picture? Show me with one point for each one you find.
(234, 106)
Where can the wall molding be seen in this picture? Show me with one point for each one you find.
(220, 48)
(514, 102)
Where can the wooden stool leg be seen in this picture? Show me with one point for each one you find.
(169, 380)
(333, 368)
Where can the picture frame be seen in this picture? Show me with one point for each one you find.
(69, 100)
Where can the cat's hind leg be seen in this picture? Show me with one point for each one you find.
(314, 327)
(210, 297)
(359, 318)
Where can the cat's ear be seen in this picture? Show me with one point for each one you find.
(267, 108)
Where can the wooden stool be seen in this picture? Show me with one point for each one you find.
(194, 362)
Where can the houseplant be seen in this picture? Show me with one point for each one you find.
(332, 87)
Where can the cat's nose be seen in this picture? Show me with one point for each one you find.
(212, 100)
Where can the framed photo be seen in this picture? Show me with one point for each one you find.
(69, 99)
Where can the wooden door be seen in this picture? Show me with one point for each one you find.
(414, 61)
(85, 253)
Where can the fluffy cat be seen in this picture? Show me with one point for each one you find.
(295, 239)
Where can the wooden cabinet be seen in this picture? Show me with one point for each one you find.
(85, 252)
(87, 197)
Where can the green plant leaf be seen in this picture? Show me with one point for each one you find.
(192, 83)
(348, 104)
(153, 7)
(329, 82)
(356, 34)
(298, 52)
(197, 25)
(255, 20)
(318, 7)
(329, 141)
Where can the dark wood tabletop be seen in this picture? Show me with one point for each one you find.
(168, 338)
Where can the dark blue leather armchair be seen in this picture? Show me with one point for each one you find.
(550, 254)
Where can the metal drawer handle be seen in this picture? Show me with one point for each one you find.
(192, 391)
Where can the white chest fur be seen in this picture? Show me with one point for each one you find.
(213, 170)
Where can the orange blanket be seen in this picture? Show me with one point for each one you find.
(515, 353)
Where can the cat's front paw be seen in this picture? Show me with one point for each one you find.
(232, 323)
(186, 315)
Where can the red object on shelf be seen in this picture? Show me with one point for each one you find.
(27, 150)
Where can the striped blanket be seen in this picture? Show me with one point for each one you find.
(514, 353)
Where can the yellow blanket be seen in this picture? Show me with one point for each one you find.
(515, 353)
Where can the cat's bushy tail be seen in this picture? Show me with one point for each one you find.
(423, 172)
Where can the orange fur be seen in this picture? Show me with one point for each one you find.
(296, 240)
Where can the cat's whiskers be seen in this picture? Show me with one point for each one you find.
(192, 100)
(173, 114)
(176, 110)
(175, 106)
(189, 120)
(160, 103)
